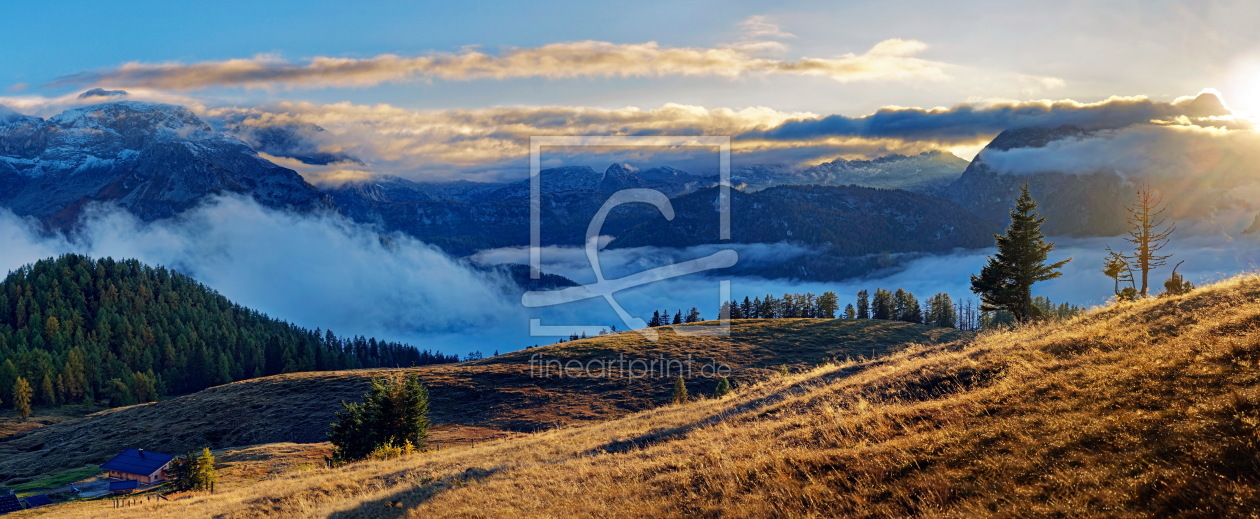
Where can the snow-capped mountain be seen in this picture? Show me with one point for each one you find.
(153, 159)
(929, 172)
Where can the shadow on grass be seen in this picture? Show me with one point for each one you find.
(396, 505)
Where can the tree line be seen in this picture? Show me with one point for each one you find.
(940, 310)
(79, 330)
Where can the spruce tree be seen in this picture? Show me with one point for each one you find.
(1005, 282)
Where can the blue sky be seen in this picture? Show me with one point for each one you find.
(790, 60)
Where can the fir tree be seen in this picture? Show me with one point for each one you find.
(1005, 282)
(863, 305)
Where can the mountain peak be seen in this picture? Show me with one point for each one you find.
(1206, 104)
(617, 169)
(101, 92)
(131, 116)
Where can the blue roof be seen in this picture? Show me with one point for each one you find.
(37, 500)
(9, 503)
(125, 484)
(133, 461)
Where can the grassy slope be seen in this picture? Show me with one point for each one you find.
(474, 399)
(1141, 409)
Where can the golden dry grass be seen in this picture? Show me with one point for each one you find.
(496, 396)
(1137, 410)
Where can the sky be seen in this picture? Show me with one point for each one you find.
(441, 91)
(445, 91)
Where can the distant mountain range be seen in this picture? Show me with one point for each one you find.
(157, 160)
(154, 160)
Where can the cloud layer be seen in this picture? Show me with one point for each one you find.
(888, 60)
(967, 122)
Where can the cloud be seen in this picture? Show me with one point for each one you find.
(315, 271)
(965, 123)
(760, 27)
(888, 60)
(477, 144)
(1146, 151)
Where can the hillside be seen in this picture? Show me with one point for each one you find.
(81, 330)
(1137, 410)
(497, 394)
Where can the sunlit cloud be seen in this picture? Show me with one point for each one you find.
(888, 60)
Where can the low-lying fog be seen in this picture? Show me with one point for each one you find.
(322, 271)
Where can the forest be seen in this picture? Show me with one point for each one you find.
(83, 330)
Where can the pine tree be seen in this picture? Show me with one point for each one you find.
(680, 390)
(850, 312)
(1005, 282)
(678, 318)
(1145, 233)
(723, 388)
(22, 397)
(863, 305)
